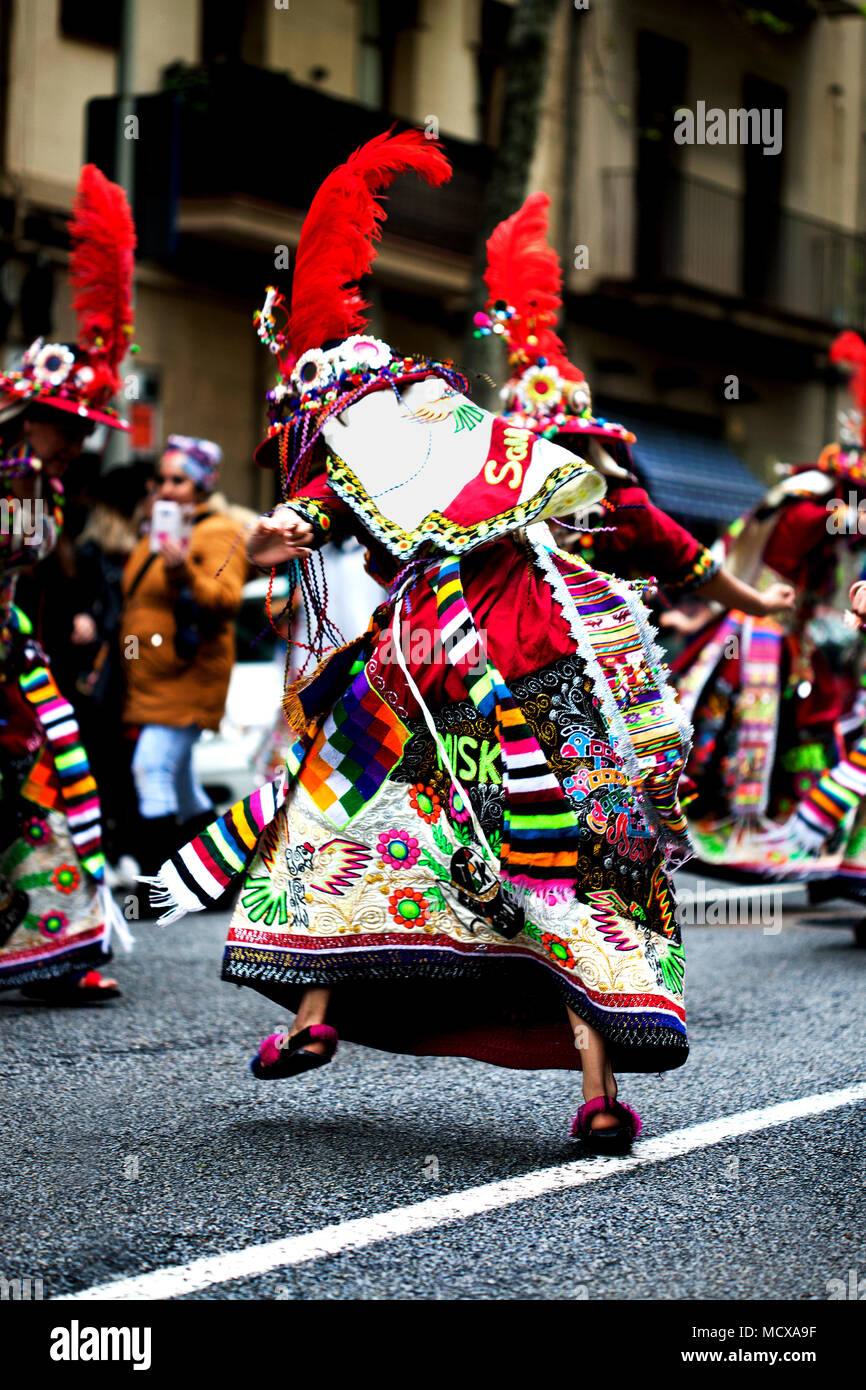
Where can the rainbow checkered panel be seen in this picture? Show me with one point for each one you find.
(359, 743)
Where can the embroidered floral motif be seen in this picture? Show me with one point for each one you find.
(458, 809)
(66, 878)
(425, 803)
(52, 923)
(397, 849)
(408, 907)
(36, 831)
(558, 950)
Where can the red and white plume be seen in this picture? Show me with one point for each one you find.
(336, 246)
(101, 273)
(524, 272)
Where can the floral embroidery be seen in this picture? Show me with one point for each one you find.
(458, 807)
(53, 923)
(408, 907)
(398, 849)
(66, 878)
(425, 803)
(558, 950)
(36, 831)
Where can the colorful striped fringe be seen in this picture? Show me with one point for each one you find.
(77, 785)
(197, 876)
(837, 793)
(540, 843)
(80, 795)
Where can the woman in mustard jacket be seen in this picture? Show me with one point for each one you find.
(177, 638)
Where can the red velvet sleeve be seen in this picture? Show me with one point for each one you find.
(647, 541)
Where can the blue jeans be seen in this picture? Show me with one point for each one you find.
(164, 779)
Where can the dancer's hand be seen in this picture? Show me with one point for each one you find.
(778, 598)
(173, 554)
(857, 597)
(284, 536)
(675, 620)
(83, 630)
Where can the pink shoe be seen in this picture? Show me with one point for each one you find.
(280, 1055)
(617, 1139)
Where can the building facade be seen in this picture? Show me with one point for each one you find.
(705, 277)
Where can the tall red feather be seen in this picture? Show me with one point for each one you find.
(851, 349)
(336, 246)
(101, 271)
(524, 271)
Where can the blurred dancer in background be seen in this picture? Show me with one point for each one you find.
(628, 536)
(56, 913)
(764, 701)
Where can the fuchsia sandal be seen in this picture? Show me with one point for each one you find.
(281, 1055)
(615, 1140)
(90, 988)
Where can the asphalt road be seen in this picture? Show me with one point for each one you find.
(134, 1139)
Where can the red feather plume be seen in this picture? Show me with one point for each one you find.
(524, 271)
(851, 349)
(336, 246)
(101, 271)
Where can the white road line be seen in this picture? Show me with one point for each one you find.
(458, 1206)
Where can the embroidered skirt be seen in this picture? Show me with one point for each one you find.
(53, 915)
(753, 756)
(372, 879)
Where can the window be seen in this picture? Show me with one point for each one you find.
(495, 23)
(386, 54)
(91, 21)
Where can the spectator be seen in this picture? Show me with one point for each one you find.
(177, 637)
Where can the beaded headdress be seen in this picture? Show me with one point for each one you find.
(326, 358)
(545, 392)
(81, 378)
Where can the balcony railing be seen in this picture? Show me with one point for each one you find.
(235, 130)
(693, 233)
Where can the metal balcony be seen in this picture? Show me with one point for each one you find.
(699, 235)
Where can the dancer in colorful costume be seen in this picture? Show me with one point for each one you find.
(825, 838)
(56, 913)
(761, 694)
(547, 394)
(471, 856)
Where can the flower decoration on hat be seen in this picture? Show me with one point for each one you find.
(326, 358)
(80, 378)
(545, 392)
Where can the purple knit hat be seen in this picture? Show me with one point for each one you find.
(201, 459)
